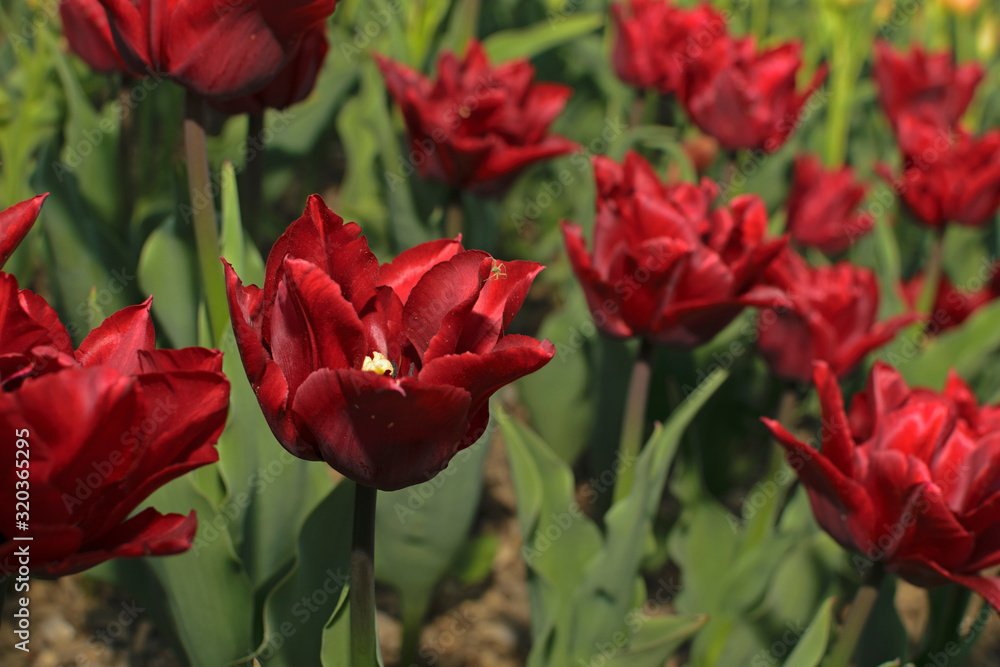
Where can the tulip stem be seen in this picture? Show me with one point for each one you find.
(861, 609)
(841, 91)
(634, 423)
(253, 183)
(202, 210)
(932, 276)
(364, 638)
(454, 217)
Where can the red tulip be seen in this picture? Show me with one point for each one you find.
(655, 41)
(103, 427)
(947, 177)
(217, 49)
(384, 372)
(952, 306)
(831, 316)
(909, 478)
(928, 88)
(291, 85)
(15, 223)
(823, 206)
(89, 35)
(477, 126)
(666, 265)
(743, 98)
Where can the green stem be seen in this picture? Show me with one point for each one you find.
(861, 608)
(634, 423)
(759, 18)
(944, 624)
(932, 276)
(364, 639)
(412, 624)
(841, 92)
(454, 217)
(252, 189)
(206, 231)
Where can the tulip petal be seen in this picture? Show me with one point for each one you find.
(988, 587)
(409, 266)
(380, 432)
(441, 301)
(119, 339)
(148, 533)
(15, 223)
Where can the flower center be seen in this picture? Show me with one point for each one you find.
(378, 363)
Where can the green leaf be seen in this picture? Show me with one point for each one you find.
(528, 42)
(167, 270)
(657, 639)
(299, 607)
(420, 530)
(603, 598)
(811, 647)
(559, 539)
(207, 592)
(884, 637)
(559, 396)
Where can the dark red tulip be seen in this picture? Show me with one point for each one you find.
(477, 126)
(291, 85)
(655, 41)
(952, 306)
(384, 372)
(927, 87)
(745, 98)
(88, 32)
(909, 478)
(666, 265)
(830, 316)
(104, 426)
(218, 49)
(823, 206)
(15, 223)
(948, 176)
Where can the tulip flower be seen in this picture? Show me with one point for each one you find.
(951, 306)
(291, 85)
(15, 223)
(88, 32)
(823, 206)
(477, 126)
(743, 98)
(666, 265)
(947, 176)
(100, 428)
(927, 87)
(655, 41)
(908, 478)
(384, 372)
(217, 49)
(830, 316)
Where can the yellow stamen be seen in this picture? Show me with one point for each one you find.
(378, 363)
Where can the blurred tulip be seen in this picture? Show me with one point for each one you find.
(926, 87)
(747, 99)
(666, 265)
(655, 41)
(219, 49)
(384, 372)
(909, 478)
(477, 126)
(103, 427)
(947, 176)
(951, 305)
(830, 316)
(823, 206)
(291, 85)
